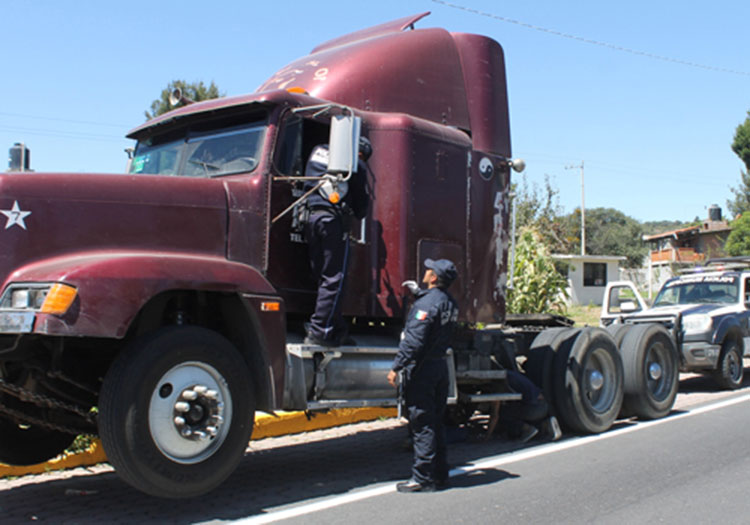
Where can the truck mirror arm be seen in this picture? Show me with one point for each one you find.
(302, 198)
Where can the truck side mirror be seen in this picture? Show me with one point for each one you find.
(343, 144)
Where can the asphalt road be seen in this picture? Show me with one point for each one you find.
(689, 467)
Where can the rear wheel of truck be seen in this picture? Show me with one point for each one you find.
(176, 412)
(618, 331)
(651, 366)
(729, 370)
(30, 444)
(587, 381)
(541, 355)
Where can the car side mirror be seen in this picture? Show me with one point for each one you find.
(627, 307)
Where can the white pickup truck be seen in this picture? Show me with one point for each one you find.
(706, 312)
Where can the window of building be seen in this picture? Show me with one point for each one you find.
(594, 274)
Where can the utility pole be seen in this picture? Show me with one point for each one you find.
(583, 210)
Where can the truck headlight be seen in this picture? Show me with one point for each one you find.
(51, 298)
(694, 324)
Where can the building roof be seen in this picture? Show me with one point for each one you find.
(701, 229)
(592, 258)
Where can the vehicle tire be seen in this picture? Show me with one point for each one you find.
(538, 364)
(29, 445)
(730, 369)
(651, 366)
(540, 361)
(176, 412)
(618, 331)
(587, 381)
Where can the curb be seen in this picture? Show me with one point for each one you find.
(266, 425)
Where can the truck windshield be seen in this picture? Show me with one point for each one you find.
(699, 290)
(202, 153)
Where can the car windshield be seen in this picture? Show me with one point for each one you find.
(202, 153)
(699, 290)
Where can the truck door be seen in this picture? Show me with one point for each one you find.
(288, 265)
(620, 298)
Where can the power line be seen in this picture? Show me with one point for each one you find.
(607, 45)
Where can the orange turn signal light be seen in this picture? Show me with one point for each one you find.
(270, 306)
(59, 298)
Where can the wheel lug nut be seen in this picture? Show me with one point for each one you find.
(181, 406)
(179, 421)
(200, 389)
(211, 431)
(212, 394)
(200, 434)
(190, 395)
(186, 432)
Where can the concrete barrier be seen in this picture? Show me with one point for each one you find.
(266, 425)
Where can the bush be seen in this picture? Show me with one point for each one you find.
(537, 286)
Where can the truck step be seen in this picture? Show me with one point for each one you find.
(480, 375)
(350, 403)
(480, 398)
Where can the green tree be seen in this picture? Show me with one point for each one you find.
(611, 232)
(738, 242)
(539, 208)
(195, 91)
(741, 146)
(537, 286)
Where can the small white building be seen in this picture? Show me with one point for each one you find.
(588, 275)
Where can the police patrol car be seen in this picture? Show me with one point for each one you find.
(706, 312)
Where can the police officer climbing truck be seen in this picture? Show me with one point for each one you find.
(421, 360)
(327, 235)
(192, 312)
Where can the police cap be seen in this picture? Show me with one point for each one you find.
(443, 268)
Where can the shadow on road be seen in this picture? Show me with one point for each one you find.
(265, 479)
(476, 478)
(705, 383)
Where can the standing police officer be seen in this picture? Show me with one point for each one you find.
(421, 356)
(327, 235)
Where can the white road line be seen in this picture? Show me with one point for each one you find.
(505, 459)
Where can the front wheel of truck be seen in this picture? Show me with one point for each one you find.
(176, 412)
(729, 371)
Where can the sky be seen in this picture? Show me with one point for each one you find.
(645, 94)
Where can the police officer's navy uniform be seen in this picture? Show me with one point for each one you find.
(327, 235)
(421, 355)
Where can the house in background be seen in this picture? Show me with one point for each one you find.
(588, 275)
(673, 250)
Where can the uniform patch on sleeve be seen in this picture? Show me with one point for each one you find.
(320, 155)
(421, 315)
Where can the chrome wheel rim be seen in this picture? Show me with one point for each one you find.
(600, 380)
(190, 412)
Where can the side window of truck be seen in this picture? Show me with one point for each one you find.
(746, 291)
(289, 158)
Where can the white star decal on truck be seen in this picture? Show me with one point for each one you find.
(15, 216)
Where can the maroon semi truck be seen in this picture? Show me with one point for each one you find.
(159, 309)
